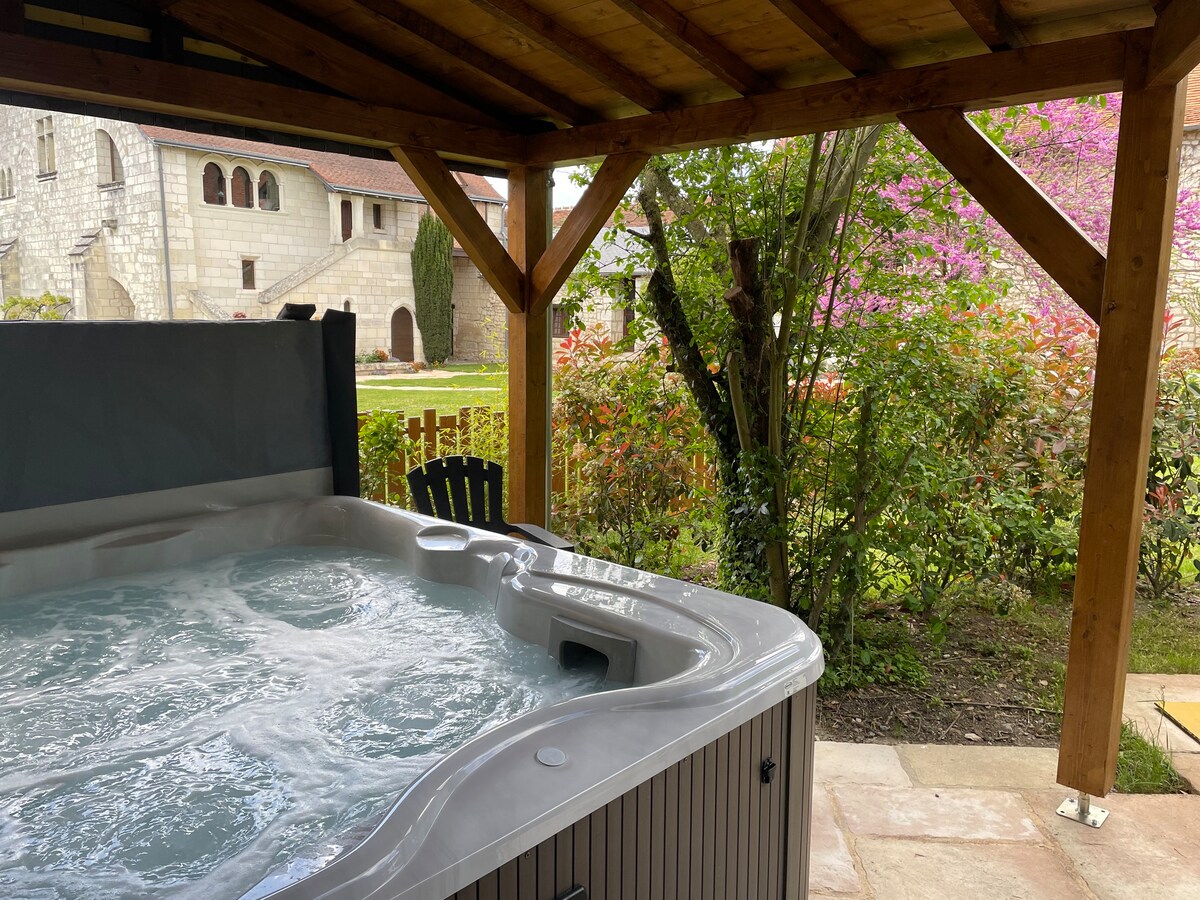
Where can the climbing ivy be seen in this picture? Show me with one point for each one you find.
(433, 285)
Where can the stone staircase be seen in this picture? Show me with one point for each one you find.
(205, 302)
(339, 252)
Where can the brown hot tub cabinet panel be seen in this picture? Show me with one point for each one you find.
(713, 826)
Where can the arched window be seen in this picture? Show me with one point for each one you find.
(108, 160)
(346, 306)
(6, 184)
(268, 191)
(240, 191)
(214, 185)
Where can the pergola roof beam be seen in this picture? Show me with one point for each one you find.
(547, 33)
(833, 35)
(1175, 49)
(266, 34)
(392, 15)
(583, 223)
(994, 26)
(1091, 65)
(123, 81)
(1031, 218)
(445, 194)
(699, 46)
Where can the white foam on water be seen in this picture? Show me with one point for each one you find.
(183, 733)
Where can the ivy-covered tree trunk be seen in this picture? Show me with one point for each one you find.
(433, 285)
(775, 342)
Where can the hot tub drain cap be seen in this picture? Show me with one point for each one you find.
(551, 756)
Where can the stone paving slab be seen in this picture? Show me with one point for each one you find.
(842, 763)
(1143, 691)
(831, 867)
(1019, 768)
(1149, 848)
(1188, 765)
(908, 870)
(962, 813)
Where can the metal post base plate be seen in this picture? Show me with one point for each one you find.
(1094, 817)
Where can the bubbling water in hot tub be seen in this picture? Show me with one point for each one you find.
(185, 732)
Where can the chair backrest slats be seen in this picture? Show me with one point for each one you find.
(476, 488)
(435, 476)
(456, 477)
(495, 483)
(418, 489)
(475, 479)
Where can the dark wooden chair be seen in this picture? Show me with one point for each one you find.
(470, 491)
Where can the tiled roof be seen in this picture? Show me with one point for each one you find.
(339, 172)
(634, 218)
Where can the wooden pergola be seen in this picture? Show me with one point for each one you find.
(516, 87)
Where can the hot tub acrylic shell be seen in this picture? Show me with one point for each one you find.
(722, 686)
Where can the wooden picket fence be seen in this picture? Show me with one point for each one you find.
(463, 432)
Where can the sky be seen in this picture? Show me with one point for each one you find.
(566, 193)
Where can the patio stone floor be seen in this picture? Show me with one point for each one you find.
(932, 822)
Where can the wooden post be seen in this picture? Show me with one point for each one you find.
(1131, 322)
(529, 221)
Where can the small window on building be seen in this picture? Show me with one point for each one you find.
(347, 220)
(7, 189)
(247, 274)
(268, 192)
(109, 168)
(558, 322)
(377, 216)
(45, 146)
(346, 306)
(214, 185)
(240, 192)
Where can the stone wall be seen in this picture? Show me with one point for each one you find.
(480, 318)
(74, 229)
(1184, 290)
(102, 245)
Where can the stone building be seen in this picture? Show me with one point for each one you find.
(140, 222)
(611, 309)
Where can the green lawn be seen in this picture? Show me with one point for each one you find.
(414, 403)
(477, 367)
(497, 381)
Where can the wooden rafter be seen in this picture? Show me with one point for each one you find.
(123, 81)
(264, 33)
(1031, 218)
(12, 16)
(547, 33)
(392, 15)
(1091, 65)
(1175, 50)
(583, 223)
(681, 33)
(994, 26)
(1131, 325)
(833, 35)
(438, 185)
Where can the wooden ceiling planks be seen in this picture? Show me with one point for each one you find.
(585, 63)
(428, 47)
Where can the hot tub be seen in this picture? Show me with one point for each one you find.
(689, 777)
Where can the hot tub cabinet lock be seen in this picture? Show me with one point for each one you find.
(768, 770)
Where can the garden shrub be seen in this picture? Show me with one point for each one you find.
(433, 286)
(631, 434)
(383, 444)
